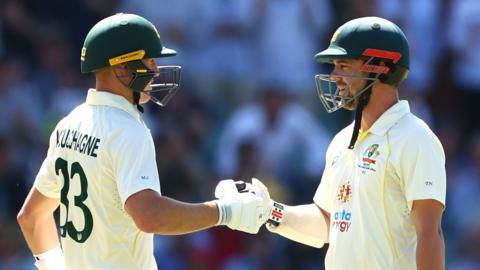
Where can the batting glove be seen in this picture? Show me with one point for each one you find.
(50, 260)
(241, 211)
(272, 212)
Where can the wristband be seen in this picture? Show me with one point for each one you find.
(224, 212)
(276, 215)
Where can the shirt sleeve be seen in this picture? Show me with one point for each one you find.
(422, 169)
(46, 181)
(134, 163)
(323, 195)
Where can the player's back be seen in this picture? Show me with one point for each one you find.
(89, 149)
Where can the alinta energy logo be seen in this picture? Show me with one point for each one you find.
(342, 220)
(344, 192)
(369, 158)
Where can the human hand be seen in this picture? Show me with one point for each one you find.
(229, 188)
(241, 211)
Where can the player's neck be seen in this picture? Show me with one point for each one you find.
(114, 87)
(380, 101)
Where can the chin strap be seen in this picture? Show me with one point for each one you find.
(136, 97)
(362, 102)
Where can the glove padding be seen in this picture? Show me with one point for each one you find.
(229, 190)
(241, 211)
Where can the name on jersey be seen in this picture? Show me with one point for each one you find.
(341, 221)
(77, 141)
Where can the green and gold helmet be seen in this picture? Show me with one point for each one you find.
(121, 38)
(372, 39)
(129, 38)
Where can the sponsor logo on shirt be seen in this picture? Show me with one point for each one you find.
(369, 158)
(335, 159)
(341, 220)
(345, 193)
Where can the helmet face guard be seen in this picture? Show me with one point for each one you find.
(164, 85)
(160, 85)
(328, 91)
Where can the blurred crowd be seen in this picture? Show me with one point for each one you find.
(247, 108)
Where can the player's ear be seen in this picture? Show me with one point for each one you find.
(121, 71)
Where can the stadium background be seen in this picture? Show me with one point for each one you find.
(243, 60)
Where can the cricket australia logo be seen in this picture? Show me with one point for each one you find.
(369, 158)
(345, 193)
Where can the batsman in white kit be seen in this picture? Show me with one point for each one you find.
(100, 166)
(381, 198)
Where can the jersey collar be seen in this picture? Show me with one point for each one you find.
(103, 98)
(389, 118)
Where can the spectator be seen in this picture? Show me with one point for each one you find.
(283, 132)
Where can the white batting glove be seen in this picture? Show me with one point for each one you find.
(226, 188)
(50, 260)
(261, 190)
(241, 211)
(229, 187)
(273, 213)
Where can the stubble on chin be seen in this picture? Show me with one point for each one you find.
(352, 105)
(144, 98)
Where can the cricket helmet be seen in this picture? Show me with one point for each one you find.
(129, 38)
(121, 38)
(379, 42)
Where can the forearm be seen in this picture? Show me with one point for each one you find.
(41, 235)
(431, 252)
(37, 223)
(305, 224)
(171, 217)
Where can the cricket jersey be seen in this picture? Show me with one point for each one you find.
(369, 191)
(98, 156)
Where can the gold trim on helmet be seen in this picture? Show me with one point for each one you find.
(136, 55)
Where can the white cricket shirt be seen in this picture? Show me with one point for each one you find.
(99, 155)
(369, 191)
